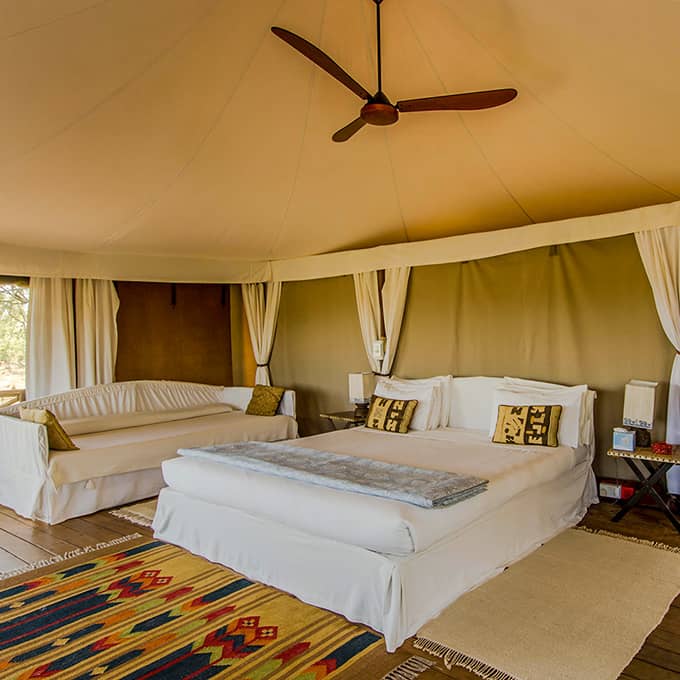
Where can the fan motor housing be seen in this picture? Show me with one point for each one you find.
(377, 113)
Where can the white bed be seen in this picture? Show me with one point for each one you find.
(387, 564)
(379, 524)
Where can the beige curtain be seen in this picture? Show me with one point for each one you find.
(660, 253)
(262, 310)
(368, 306)
(50, 356)
(96, 332)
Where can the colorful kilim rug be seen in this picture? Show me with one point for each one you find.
(156, 611)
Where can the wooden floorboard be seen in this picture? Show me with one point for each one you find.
(9, 562)
(665, 640)
(641, 670)
(63, 531)
(648, 523)
(111, 523)
(98, 532)
(23, 541)
(35, 534)
(24, 550)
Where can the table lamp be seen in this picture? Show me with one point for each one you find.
(361, 386)
(638, 409)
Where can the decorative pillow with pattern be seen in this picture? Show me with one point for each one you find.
(390, 415)
(534, 425)
(265, 400)
(56, 435)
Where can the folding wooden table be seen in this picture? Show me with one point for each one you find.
(650, 468)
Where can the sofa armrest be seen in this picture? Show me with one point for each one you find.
(24, 453)
(287, 405)
(240, 396)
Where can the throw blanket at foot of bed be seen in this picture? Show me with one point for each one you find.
(418, 486)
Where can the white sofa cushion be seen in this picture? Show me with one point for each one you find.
(140, 448)
(120, 421)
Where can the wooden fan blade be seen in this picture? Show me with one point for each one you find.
(468, 101)
(349, 130)
(321, 59)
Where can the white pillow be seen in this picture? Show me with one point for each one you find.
(570, 398)
(472, 401)
(426, 415)
(535, 384)
(444, 382)
(587, 403)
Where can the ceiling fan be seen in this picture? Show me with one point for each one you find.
(378, 109)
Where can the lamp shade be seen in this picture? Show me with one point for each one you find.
(638, 404)
(361, 387)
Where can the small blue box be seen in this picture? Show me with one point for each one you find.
(624, 440)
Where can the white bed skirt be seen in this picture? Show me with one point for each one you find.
(394, 595)
(56, 504)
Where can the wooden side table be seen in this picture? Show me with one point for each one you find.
(649, 468)
(344, 419)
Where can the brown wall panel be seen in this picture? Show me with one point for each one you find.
(188, 341)
(582, 313)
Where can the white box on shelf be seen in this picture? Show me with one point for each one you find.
(610, 490)
(624, 439)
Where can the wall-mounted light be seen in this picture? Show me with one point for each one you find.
(378, 350)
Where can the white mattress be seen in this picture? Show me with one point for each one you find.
(140, 448)
(382, 525)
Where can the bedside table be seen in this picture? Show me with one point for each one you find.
(344, 419)
(649, 468)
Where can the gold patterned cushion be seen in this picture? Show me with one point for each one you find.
(535, 425)
(265, 400)
(390, 415)
(56, 435)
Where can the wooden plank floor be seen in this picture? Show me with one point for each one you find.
(23, 541)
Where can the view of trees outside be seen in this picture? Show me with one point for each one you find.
(13, 318)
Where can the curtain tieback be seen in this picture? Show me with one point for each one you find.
(263, 365)
(381, 375)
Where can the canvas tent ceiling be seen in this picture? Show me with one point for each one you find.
(160, 136)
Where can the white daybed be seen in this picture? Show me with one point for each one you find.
(390, 565)
(124, 431)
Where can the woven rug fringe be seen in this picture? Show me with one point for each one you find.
(77, 552)
(409, 669)
(132, 517)
(453, 658)
(630, 539)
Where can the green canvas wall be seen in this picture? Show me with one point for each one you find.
(578, 313)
